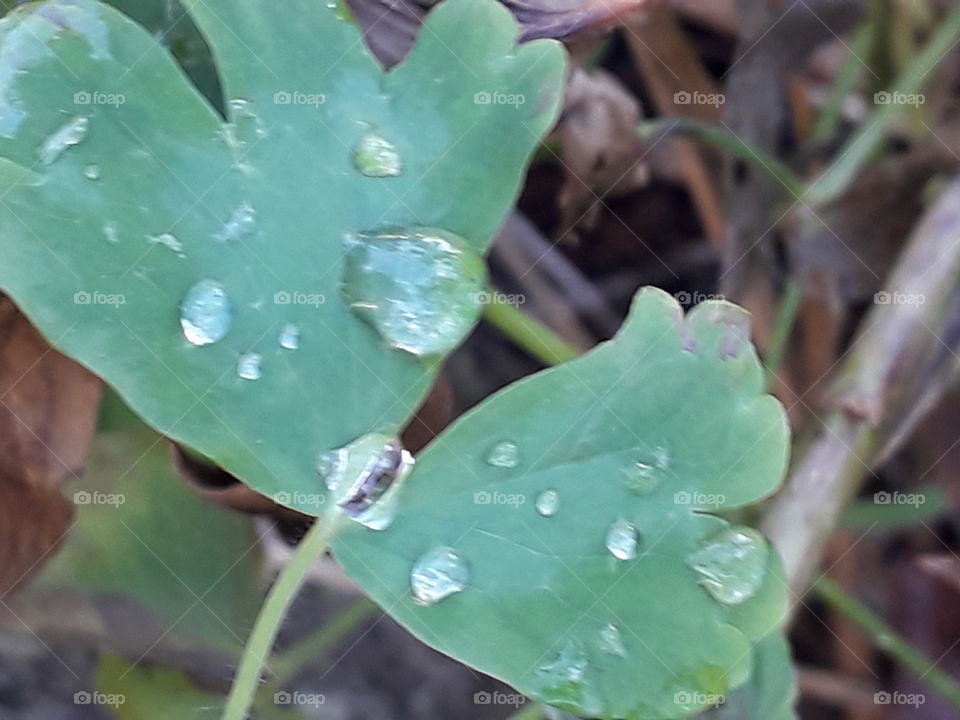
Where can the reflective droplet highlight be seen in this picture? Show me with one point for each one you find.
(92, 172)
(110, 232)
(504, 455)
(375, 156)
(622, 540)
(248, 367)
(290, 337)
(205, 314)
(548, 503)
(242, 222)
(732, 565)
(419, 288)
(70, 134)
(563, 680)
(437, 575)
(611, 641)
(167, 240)
(645, 475)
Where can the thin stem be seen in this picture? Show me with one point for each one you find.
(538, 340)
(886, 638)
(265, 629)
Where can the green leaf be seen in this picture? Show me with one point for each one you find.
(658, 429)
(142, 533)
(122, 189)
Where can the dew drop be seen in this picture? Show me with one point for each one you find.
(647, 474)
(420, 288)
(548, 503)
(366, 477)
(290, 337)
(168, 240)
(110, 232)
(732, 565)
(70, 134)
(205, 314)
(562, 681)
(438, 574)
(504, 455)
(249, 366)
(375, 156)
(242, 222)
(622, 540)
(611, 641)
(92, 172)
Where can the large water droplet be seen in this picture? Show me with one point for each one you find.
(419, 288)
(622, 540)
(92, 172)
(70, 134)
(248, 367)
(504, 455)
(242, 222)
(563, 680)
(290, 337)
(375, 156)
(205, 314)
(548, 502)
(438, 574)
(611, 641)
(366, 477)
(168, 240)
(732, 564)
(646, 475)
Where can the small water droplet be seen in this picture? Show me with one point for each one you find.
(110, 232)
(548, 503)
(168, 240)
(504, 455)
(622, 540)
(205, 314)
(375, 156)
(646, 475)
(70, 134)
(290, 337)
(438, 574)
(611, 641)
(242, 222)
(249, 366)
(420, 288)
(92, 172)
(366, 478)
(563, 680)
(732, 564)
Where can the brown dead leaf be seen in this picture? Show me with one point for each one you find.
(48, 411)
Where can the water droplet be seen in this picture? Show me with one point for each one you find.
(249, 366)
(622, 540)
(504, 455)
(168, 240)
(375, 156)
(419, 288)
(242, 222)
(110, 232)
(70, 134)
(611, 641)
(438, 574)
(563, 680)
(646, 475)
(92, 172)
(205, 314)
(731, 565)
(290, 337)
(366, 477)
(548, 502)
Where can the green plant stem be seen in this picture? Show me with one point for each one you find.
(832, 113)
(538, 340)
(889, 640)
(835, 180)
(265, 629)
(786, 319)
